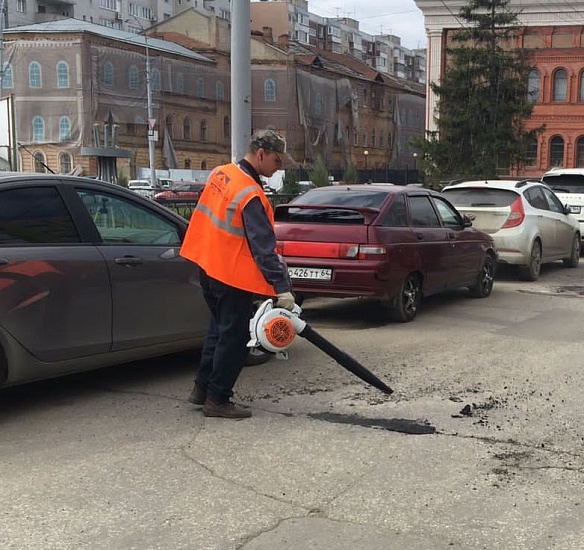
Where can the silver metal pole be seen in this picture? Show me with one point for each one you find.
(240, 78)
(151, 131)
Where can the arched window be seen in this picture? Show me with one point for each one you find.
(65, 163)
(203, 131)
(355, 137)
(200, 88)
(34, 75)
(533, 85)
(187, 164)
(64, 128)
(39, 162)
(219, 91)
(269, 90)
(226, 127)
(581, 91)
(556, 151)
(203, 165)
(531, 152)
(133, 77)
(187, 128)
(318, 104)
(373, 138)
(62, 74)
(180, 84)
(580, 152)
(168, 125)
(155, 77)
(38, 128)
(108, 73)
(560, 84)
(7, 77)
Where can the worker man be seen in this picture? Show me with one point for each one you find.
(231, 238)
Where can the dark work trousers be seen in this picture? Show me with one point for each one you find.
(225, 349)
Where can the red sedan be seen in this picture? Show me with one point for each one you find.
(185, 190)
(386, 241)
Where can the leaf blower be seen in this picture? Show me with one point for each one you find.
(273, 329)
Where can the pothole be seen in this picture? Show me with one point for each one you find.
(401, 425)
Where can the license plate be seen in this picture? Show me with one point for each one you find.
(314, 273)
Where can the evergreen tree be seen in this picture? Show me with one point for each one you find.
(318, 174)
(290, 185)
(483, 100)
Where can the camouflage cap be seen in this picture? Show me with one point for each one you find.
(268, 140)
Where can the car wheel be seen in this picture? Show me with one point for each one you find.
(485, 279)
(408, 300)
(531, 272)
(574, 258)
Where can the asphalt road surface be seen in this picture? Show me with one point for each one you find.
(480, 447)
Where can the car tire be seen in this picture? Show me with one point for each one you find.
(405, 306)
(485, 279)
(574, 258)
(531, 272)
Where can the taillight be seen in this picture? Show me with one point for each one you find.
(516, 216)
(331, 250)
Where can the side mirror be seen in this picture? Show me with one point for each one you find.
(467, 219)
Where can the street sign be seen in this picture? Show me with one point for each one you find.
(152, 123)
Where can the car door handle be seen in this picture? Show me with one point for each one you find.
(451, 235)
(128, 260)
(419, 236)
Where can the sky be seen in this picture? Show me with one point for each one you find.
(398, 17)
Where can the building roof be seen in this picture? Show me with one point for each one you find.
(75, 25)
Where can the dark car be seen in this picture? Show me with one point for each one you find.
(90, 276)
(185, 190)
(390, 242)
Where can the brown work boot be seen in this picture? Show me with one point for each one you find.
(225, 410)
(197, 396)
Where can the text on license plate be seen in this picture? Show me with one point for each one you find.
(315, 273)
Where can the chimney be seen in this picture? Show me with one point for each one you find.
(268, 34)
(283, 42)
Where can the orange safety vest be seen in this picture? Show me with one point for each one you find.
(215, 238)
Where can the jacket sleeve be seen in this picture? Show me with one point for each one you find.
(262, 243)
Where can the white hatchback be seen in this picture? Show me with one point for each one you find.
(529, 224)
(143, 188)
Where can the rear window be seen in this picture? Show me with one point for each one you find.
(344, 197)
(567, 183)
(473, 196)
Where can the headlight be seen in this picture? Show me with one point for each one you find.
(574, 209)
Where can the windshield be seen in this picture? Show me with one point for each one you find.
(567, 183)
(475, 196)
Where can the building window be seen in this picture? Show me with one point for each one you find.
(531, 152)
(581, 94)
(269, 90)
(219, 91)
(133, 77)
(131, 129)
(373, 139)
(580, 153)
(556, 151)
(7, 77)
(380, 139)
(200, 88)
(203, 131)
(39, 162)
(560, 83)
(364, 139)
(155, 76)
(318, 104)
(64, 129)
(34, 75)
(187, 164)
(65, 163)
(355, 137)
(187, 128)
(21, 6)
(108, 73)
(533, 84)
(203, 165)
(226, 127)
(347, 134)
(62, 74)
(38, 128)
(180, 84)
(168, 125)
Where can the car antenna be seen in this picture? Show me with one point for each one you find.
(36, 159)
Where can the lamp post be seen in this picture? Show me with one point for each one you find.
(366, 153)
(415, 157)
(151, 119)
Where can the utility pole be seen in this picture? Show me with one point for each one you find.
(240, 78)
(151, 120)
(2, 20)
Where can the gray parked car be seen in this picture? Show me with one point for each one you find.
(90, 276)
